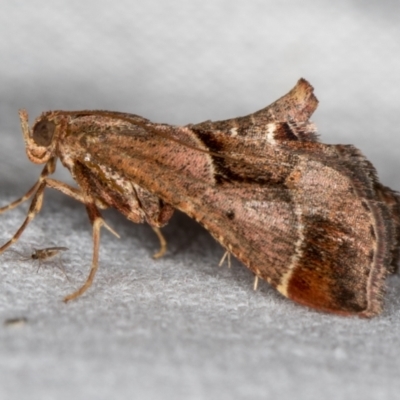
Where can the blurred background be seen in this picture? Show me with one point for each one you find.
(181, 327)
(184, 62)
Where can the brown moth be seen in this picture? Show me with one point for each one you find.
(311, 219)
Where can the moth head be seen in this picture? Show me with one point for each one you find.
(41, 140)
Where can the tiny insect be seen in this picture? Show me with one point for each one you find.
(311, 219)
(47, 252)
(44, 254)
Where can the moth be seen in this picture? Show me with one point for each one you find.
(311, 219)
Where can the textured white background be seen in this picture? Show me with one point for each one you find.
(181, 327)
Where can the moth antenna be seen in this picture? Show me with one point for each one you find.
(97, 223)
(26, 132)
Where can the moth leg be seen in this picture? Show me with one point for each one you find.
(36, 203)
(34, 208)
(70, 191)
(37, 200)
(226, 254)
(97, 222)
(156, 213)
(48, 169)
(21, 200)
(255, 285)
(80, 196)
(37, 191)
(163, 243)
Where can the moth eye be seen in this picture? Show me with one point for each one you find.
(43, 132)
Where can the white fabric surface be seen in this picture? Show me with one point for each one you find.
(181, 327)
